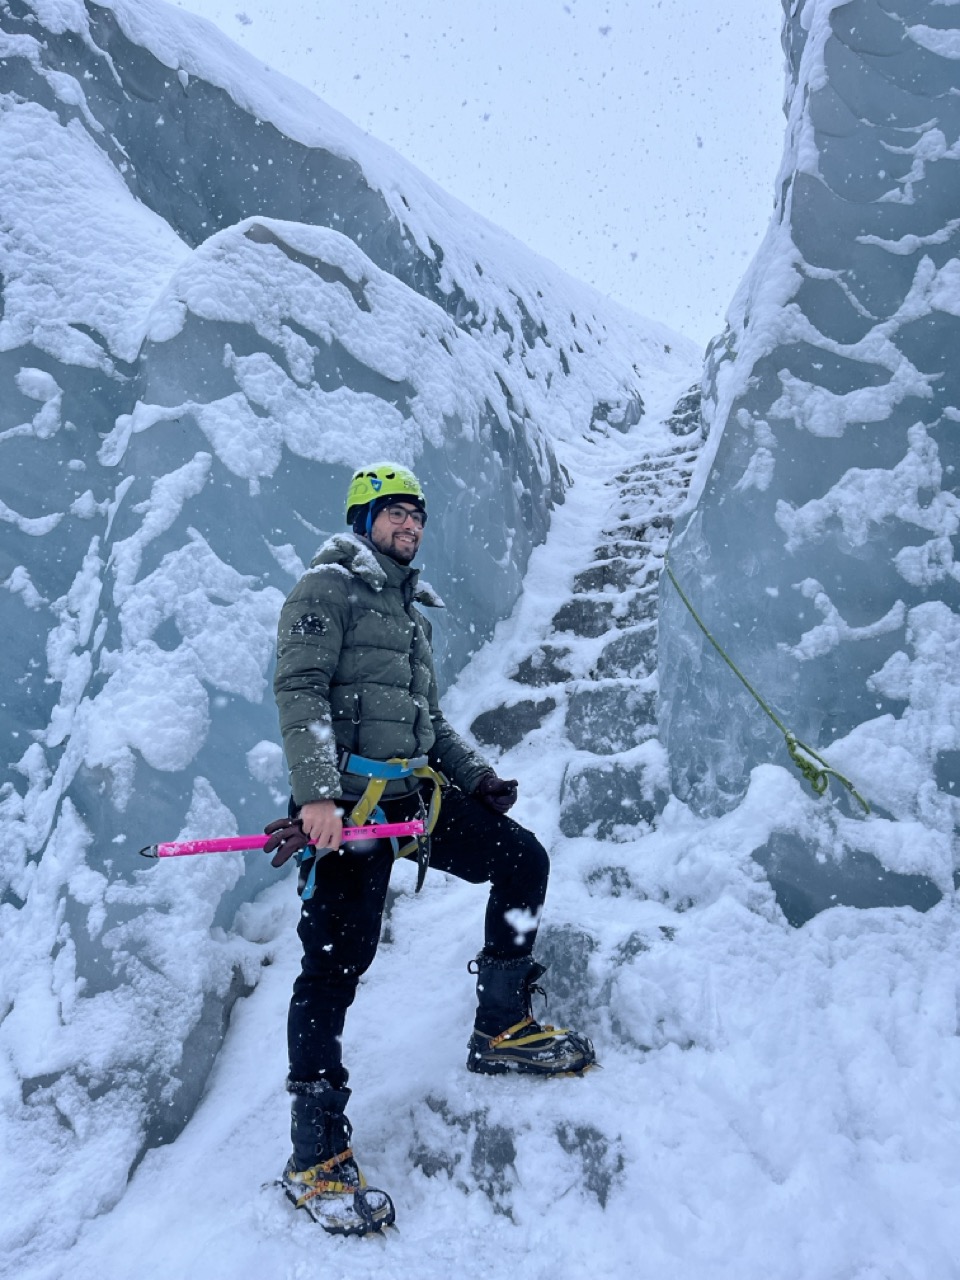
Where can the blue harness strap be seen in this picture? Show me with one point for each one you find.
(310, 885)
(378, 817)
(363, 767)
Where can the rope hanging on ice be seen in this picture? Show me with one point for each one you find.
(811, 764)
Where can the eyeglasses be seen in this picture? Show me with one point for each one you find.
(399, 515)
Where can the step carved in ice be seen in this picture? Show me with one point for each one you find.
(654, 530)
(610, 718)
(807, 882)
(592, 616)
(445, 1136)
(600, 1158)
(543, 667)
(571, 990)
(611, 800)
(618, 572)
(686, 419)
(476, 1149)
(632, 654)
(504, 727)
(635, 549)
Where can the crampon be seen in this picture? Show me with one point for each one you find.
(533, 1048)
(335, 1195)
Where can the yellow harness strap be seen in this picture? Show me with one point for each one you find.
(361, 811)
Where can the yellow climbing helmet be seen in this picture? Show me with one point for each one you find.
(382, 480)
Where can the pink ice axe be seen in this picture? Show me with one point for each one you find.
(236, 844)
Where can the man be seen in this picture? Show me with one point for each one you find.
(363, 734)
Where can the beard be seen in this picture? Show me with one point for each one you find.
(396, 546)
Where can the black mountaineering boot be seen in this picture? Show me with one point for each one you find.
(507, 1037)
(322, 1176)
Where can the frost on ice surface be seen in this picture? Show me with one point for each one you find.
(820, 548)
(219, 298)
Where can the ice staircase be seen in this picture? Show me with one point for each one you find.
(576, 721)
(593, 674)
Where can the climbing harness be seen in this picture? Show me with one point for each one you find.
(818, 777)
(367, 809)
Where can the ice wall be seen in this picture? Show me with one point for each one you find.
(819, 547)
(218, 298)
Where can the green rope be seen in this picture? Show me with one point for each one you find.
(818, 777)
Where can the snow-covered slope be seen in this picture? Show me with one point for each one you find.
(195, 346)
(218, 298)
(820, 551)
(773, 1104)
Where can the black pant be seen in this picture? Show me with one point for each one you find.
(340, 925)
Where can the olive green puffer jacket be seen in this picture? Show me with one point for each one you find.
(355, 672)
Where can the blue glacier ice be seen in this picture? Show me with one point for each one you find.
(217, 297)
(818, 545)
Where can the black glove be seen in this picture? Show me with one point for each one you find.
(287, 837)
(498, 794)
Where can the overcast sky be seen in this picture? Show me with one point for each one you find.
(633, 142)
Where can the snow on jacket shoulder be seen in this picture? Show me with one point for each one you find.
(355, 671)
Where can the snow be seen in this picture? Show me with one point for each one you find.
(773, 1102)
(191, 369)
(75, 220)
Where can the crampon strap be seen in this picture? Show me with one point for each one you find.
(545, 1032)
(330, 1186)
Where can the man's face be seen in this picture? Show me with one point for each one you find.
(398, 530)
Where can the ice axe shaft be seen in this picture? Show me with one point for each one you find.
(236, 844)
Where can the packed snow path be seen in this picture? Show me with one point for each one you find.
(773, 1103)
